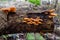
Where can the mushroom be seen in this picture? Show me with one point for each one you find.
(12, 9)
(6, 10)
(51, 11)
(53, 14)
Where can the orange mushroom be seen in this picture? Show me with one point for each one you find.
(36, 20)
(26, 19)
(50, 16)
(34, 23)
(53, 14)
(6, 10)
(12, 9)
(51, 11)
(40, 22)
(29, 20)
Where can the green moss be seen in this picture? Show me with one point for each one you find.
(38, 36)
(30, 36)
(36, 2)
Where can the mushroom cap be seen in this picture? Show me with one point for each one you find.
(12, 9)
(26, 19)
(6, 10)
(50, 16)
(40, 22)
(51, 10)
(53, 14)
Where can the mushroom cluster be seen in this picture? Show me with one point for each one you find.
(35, 21)
(52, 14)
